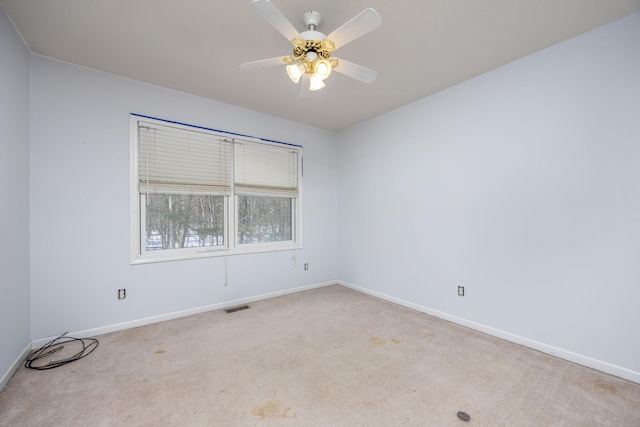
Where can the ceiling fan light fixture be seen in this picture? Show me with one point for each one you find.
(322, 68)
(295, 71)
(315, 82)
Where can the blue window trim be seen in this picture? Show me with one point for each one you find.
(217, 130)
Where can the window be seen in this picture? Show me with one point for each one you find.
(197, 192)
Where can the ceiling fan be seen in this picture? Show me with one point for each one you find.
(311, 59)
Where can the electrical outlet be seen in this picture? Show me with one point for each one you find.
(306, 265)
(122, 293)
(461, 291)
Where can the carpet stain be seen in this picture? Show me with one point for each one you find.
(377, 341)
(273, 410)
(395, 341)
(609, 387)
(161, 351)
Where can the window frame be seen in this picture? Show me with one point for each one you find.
(138, 253)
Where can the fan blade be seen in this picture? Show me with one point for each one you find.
(358, 26)
(262, 63)
(355, 71)
(276, 18)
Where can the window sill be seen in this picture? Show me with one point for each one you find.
(199, 253)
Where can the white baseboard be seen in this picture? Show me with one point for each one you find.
(178, 314)
(14, 367)
(580, 359)
(570, 356)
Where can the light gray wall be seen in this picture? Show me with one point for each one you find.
(80, 205)
(520, 185)
(14, 188)
(523, 185)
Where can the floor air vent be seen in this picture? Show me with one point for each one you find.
(234, 309)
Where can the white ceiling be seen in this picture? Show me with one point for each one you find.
(196, 46)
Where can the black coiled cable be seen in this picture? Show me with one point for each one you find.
(55, 346)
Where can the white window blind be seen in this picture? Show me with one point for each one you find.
(265, 170)
(179, 161)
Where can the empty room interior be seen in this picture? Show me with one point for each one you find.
(443, 228)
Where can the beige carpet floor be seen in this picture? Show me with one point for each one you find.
(326, 357)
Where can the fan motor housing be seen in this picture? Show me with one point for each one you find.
(322, 48)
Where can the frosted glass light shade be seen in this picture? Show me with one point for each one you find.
(295, 71)
(322, 68)
(316, 83)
